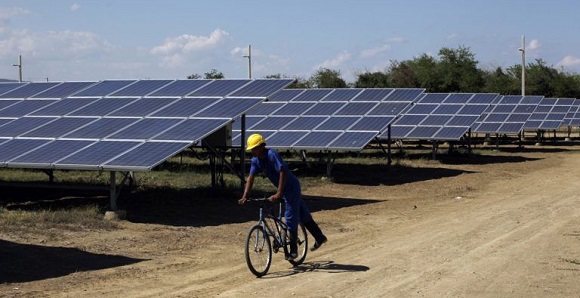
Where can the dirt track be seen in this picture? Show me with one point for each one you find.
(506, 225)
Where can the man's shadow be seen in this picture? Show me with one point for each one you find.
(319, 266)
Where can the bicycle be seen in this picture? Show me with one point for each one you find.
(271, 234)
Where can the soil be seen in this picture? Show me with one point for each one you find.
(503, 224)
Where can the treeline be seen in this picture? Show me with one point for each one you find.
(453, 70)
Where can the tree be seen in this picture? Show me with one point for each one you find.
(498, 81)
(425, 72)
(458, 71)
(402, 75)
(214, 74)
(194, 76)
(327, 78)
(372, 80)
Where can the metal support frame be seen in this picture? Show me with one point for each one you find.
(223, 163)
(50, 174)
(115, 191)
(330, 159)
(435, 147)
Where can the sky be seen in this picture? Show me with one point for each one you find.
(92, 40)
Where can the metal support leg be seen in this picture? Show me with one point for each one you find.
(113, 190)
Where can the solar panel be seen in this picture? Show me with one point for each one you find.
(317, 139)
(180, 88)
(16, 147)
(101, 128)
(8, 102)
(262, 87)
(63, 90)
(102, 107)
(352, 140)
(312, 95)
(58, 127)
(141, 88)
(45, 156)
(22, 125)
(29, 90)
(229, 107)
(95, 155)
(143, 107)
(219, 88)
(373, 94)
(549, 114)
(63, 107)
(104, 88)
(24, 107)
(305, 123)
(6, 87)
(145, 129)
(145, 156)
(286, 95)
(508, 115)
(294, 109)
(342, 94)
(191, 130)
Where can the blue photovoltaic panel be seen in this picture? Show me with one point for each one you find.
(141, 88)
(436, 120)
(5, 120)
(185, 107)
(180, 88)
(59, 127)
(435, 98)
(294, 109)
(192, 130)
(389, 108)
(450, 132)
(101, 128)
(352, 140)
(145, 129)
(262, 88)
(462, 120)
(49, 153)
(508, 115)
(399, 132)
(339, 123)
(549, 114)
(102, 107)
(284, 139)
(22, 125)
(409, 119)
(373, 94)
(250, 121)
(376, 124)
(24, 107)
(63, 106)
(28, 90)
(8, 102)
(143, 107)
(357, 108)
(305, 123)
(219, 88)
(93, 156)
(484, 98)
(272, 123)
(404, 95)
(325, 108)
(317, 139)
(342, 94)
(6, 87)
(458, 98)
(265, 108)
(104, 88)
(312, 95)
(63, 90)
(229, 107)
(236, 135)
(423, 132)
(16, 147)
(146, 156)
(286, 94)
(447, 109)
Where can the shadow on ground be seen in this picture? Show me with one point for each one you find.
(319, 266)
(25, 263)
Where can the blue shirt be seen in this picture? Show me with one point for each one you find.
(271, 166)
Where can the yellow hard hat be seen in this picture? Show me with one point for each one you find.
(254, 141)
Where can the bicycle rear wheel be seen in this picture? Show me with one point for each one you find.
(302, 246)
(258, 251)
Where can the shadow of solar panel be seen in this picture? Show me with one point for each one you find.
(59, 127)
(352, 140)
(63, 90)
(262, 87)
(143, 107)
(63, 107)
(376, 124)
(141, 88)
(16, 147)
(284, 139)
(356, 108)
(450, 133)
(145, 129)
(91, 157)
(48, 154)
(432, 98)
(7, 87)
(324, 108)
(339, 123)
(312, 95)
(305, 123)
(101, 128)
(145, 156)
(293, 109)
(389, 108)
(229, 107)
(423, 132)
(22, 125)
(317, 139)
(102, 107)
(192, 130)
(342, 94)
(373, 94)
(180, 88)
(219, 88)
(29, 90)
(24, 107)
(285, 95)
(272, 123)
(104, 88)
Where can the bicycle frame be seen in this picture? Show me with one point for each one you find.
(278, 232)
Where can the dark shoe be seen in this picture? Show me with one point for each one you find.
(291, 256)
(318, 244)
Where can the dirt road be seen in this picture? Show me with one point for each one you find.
(505, 225)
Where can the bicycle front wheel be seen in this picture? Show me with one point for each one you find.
(302, 246)
(258, 251)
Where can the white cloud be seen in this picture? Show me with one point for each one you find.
(569, 62)
(369, 53)
(452, 36)
(75, 7)
(190, 43)
(335, 62)
(6, 13)
(534, 45)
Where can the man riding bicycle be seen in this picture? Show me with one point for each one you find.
(269, 162)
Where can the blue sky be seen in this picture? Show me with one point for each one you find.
(144, 39)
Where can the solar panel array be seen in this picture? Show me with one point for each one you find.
(440, 116)
(508, 115)
(550, 113)
(117, 124)
(573, 116)
(326, 119)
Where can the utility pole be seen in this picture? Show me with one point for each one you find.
(523, 50)
(19, 68)
(249, 56)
